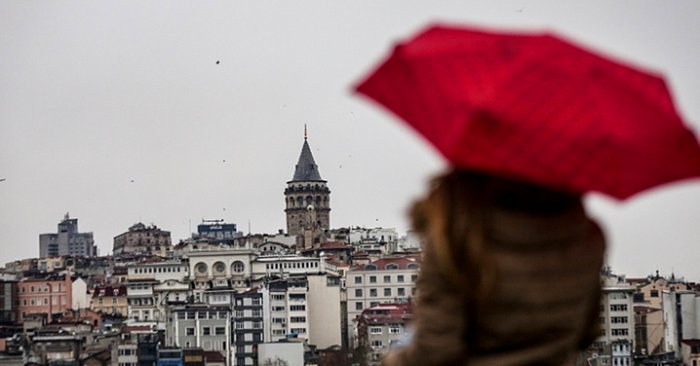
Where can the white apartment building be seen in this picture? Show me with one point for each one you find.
(387, 280)
(307, 307)
(282, 266)
(220, 268)
(681, 314)
(149, 288)
(615, 343)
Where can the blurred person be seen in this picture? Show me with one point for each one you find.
(510, 274)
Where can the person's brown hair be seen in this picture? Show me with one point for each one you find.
(454, 216)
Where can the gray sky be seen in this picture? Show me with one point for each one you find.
(94, 95)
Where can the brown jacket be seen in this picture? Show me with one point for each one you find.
(543, 304)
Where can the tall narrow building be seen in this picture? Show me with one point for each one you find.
(307, 200)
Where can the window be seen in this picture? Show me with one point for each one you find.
(402, 292)
(414, 278)
(297, 308)
(619, 332)
(399, 278)
(391, 266)
(298, 319)
(373, 292)
(358, 279)
(220, 330)
(395, 329)
(387, 292)
(372, 279)
(618, 307)
(387, 279)
(376, 343)
(358, 292)
(189, 331)
(358, 305)
(618, 319)
(654, 293)
(375, 330)
(206, 331)
(237, 267)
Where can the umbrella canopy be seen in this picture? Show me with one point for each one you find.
(537, 107)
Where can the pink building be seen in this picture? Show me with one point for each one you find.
(48, 296)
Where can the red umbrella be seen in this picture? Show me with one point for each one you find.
(539, 108)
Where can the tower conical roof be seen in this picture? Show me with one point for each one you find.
(306, 169)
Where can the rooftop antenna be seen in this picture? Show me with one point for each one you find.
(248, 227)
(305, 135)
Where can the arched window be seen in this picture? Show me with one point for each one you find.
(391, 266)
(237, 267)
(370, 267)
(219, 268)
(201, 269)
(413, 266)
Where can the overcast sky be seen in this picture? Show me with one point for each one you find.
(118, 113)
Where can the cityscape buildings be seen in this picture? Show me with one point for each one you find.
(313, 295)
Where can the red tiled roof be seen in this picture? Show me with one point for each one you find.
(381, 264)
(335, 244)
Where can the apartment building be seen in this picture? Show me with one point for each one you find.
(50, 295)
(200, 325)
(247, 326)
(382, 327)
(387, 280)
(110, 299)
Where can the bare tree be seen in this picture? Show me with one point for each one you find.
(274, 362)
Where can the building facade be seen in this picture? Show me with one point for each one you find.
(110, 299)
(388, 280)
(141, 239)
(8, 302)
(51, 295)
(67, 241)
(200, 325)
(383, 327)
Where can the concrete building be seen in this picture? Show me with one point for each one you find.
(649, 331)
(217, 231)
(67, 241)
(282, 266)
(616, 342)
(220, 269)
(141, 239)
(147, 289)
(383, 327)
(307, 201)
(681, 313)
(52, 295)
(110, 299)
(387, 280)
(384, 239)
(200, 325)
(8, 302)
(305, 307)
(247, 326)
